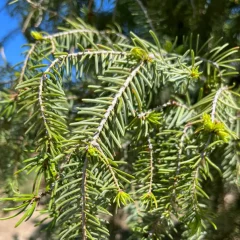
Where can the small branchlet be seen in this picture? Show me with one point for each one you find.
(141, 54)
(215, 127)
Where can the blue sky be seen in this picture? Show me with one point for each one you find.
(12, 47)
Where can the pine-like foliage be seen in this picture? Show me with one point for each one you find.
(112, 121)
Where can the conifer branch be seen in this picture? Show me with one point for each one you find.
(215, 101)
(150, 147)
(26, 62)
(114, 103)
(181, 145)
(84, 187)
(102, 155)
(149, 21)
(174, 103)
(114, 177)
(65, 33)
(81, 171)
(77, 31)
(40, 92)
(196, 177)
(96, 52)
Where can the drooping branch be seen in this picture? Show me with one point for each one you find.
(150, 147)
(84, 187)
(26, 62)
(60, 34)
(40, 92)
(63, 58)
(215, 101)
(110, 109)
(114, 103)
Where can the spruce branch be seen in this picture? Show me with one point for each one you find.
(115, 101)
(81, 31)
(84, 183)
(215, 101)
(31, 50)
(150, 146)
(40, 92)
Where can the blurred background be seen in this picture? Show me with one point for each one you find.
(171, 20)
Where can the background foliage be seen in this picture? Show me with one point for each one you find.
(149, 121)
